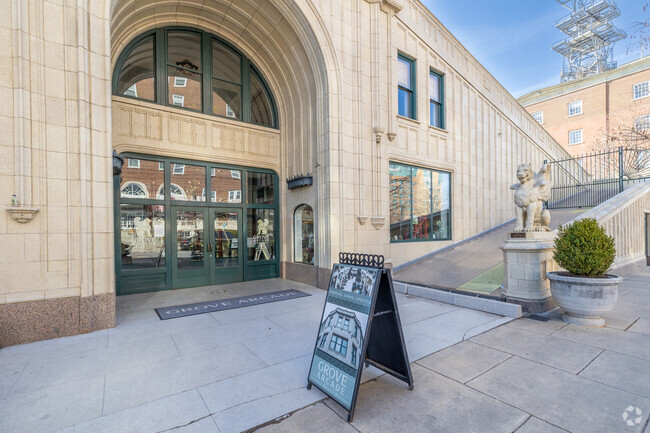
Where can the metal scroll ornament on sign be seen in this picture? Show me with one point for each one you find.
(358, 259)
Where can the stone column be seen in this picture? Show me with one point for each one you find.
(527, 256)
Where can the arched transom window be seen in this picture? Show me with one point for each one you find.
(194, 70)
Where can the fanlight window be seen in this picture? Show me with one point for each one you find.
(133, 190)
(199, 72)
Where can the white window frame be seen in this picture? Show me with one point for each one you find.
(576, 142)
(180, 81)
(641, 90)
(161, 166)
(575, 104)
(134, 163)
(235, 174)
(234, 196)
(539, 116)
(642, 123)
(179, 169)
(178, 100)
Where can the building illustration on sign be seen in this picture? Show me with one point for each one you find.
(341, 336)
(353, 279)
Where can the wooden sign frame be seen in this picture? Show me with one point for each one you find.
(358, 291)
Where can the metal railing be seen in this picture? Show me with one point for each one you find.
(591, 179)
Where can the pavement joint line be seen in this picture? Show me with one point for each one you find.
(610, 350)
(104, 395)
(13, 384)
(645, 428)
(483, 324)
(647, 397)
(632, 324)
(175, 345)
(522, 424)
(589, 363)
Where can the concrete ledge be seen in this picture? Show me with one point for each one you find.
(306, 274)
(467, 301)
(400, 287)
(26, 322)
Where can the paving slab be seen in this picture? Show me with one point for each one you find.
(52, 408)
(641, 326)
(318, 417)
(538, 326)
(160, 415)
(42, 373)
(135, 332)
(307, 318)
(464, 361)
(452, 326)
(256, 412)
(621, 371)
(284, 346)
(548, 350)
(574, 403)
(536, 425)
(436, 404)
(628, 343)
(164, 378)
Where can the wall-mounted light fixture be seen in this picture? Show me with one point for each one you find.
(300, 180)
(118, 162)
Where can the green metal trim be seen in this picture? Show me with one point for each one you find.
(413, 89)
(161, 96)
(441, 92)
(412, 167)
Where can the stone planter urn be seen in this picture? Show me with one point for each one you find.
(583, 298)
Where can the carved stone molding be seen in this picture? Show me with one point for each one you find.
(391, 136)
(379, 131)
(393, 6)
(377, 222)
(22, 214)
(363, 219)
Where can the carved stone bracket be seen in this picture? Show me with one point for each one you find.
(379, 131)
(22, 214)
(391, 136)
(362, 219)
(377, 222)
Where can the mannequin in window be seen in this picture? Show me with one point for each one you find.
(262, 239)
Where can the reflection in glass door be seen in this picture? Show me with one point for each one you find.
(227, 261)
(190, 265)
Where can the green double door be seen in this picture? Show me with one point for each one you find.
(208, 246)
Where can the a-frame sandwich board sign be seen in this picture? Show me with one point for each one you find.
(359, 326)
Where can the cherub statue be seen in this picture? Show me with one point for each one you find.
(530, 194)
(142, 227)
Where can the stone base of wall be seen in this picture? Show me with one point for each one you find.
(631, 267)
(27, 322)
(307, 274)
(534, 307)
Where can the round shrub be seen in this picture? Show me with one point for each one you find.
(584, 249)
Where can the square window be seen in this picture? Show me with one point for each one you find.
(575, 108)
(539, 116)
(642, 123)
(235, 174)
(134, 163)
(178, 100)
(179, 169)
(180, 82)
(642, 90)
(575, 137)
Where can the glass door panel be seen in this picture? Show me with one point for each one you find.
(227, 264)
(190, 265)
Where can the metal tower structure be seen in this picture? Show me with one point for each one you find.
(591, 36)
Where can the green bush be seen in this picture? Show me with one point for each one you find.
(583, 248)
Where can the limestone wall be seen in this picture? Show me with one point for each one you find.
(624, 218)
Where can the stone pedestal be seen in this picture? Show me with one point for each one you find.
(527, 256)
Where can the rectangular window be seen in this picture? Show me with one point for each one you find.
(575, 108)
(141, 179)
(354, 356)
(405, 86)
(539, 116)
(188, 182)
(161, 166)
(233, 196)
(178, 100)
(142, 225)
(227, 188)
(346, 324)
(642, 90)
(642, 123)
(339, 345)
(179, 169)
(235, 174)
(180, 82)
(575, 137)
(436, 100)
(260, 188)
(419, 203)
(322, 342)
(134, 163)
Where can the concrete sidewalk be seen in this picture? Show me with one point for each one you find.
(527, 376)
(224, 372)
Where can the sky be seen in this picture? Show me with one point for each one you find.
(513, 38)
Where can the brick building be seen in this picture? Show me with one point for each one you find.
(580, 114)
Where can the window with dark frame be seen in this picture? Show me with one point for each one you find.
(436, 100)
(406, 86)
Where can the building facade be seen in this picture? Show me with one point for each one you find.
(260, 138)
(585, 114)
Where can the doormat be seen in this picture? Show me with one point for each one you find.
(227, 304)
